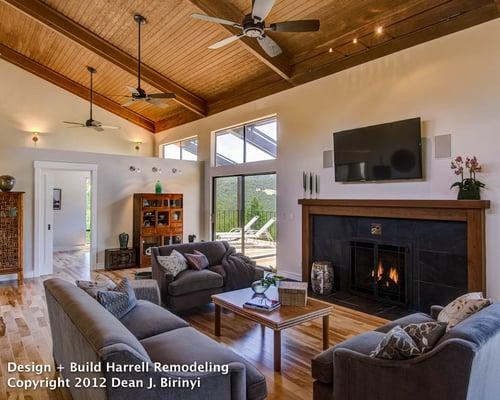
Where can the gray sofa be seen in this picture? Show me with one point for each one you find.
(193, 288)
(464, 365)
(83, 331)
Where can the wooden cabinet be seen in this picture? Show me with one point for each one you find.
(11, 234)
(158, 221)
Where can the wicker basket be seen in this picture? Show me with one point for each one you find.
(293, 293)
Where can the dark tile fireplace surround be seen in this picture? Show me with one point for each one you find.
(391, 258)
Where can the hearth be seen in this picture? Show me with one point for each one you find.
(379, 271)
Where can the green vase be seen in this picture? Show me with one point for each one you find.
(158, 189)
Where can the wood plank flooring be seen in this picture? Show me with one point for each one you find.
(25, 334)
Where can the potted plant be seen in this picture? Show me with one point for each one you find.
(260, 286)
(469, 188)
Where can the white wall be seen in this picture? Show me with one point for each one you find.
(69, 222)
(31, 104)
(115, 187)
(452, 83)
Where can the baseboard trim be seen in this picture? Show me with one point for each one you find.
(13, 277)
(290, 275)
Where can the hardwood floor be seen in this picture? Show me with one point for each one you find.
(26, 335)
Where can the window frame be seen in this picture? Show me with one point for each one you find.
(179, 142)
(244, 139)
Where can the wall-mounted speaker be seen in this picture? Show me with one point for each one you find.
(328, 159)
(442, 146)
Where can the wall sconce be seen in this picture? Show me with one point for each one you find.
(137, 146)
(156, 170)
(134, 169)
(35, 138)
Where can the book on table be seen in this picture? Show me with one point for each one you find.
(262, 304)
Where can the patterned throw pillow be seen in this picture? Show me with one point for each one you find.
(396, 345)
(426, 334)
(174, 263)
(462, 308)
(120, 300)
(101, 282)
(197, 261)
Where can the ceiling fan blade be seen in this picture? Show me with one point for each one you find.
(270, 46)
(215, 20)
(162, 96)
(157, 102)
(98, 128)
(133, 90)
(308, 25)
(73, 123)
(225, 42)
(128, 103)
(110, 127)
(262, 8)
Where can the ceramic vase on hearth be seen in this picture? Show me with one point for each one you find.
(322, 277)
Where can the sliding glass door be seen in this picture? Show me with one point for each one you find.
(244, 214)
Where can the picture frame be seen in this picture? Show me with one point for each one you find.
(57, 199)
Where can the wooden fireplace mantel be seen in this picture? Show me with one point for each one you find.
(470, 211)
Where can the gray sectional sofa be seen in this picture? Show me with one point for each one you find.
(464, 365)
(83, 331)
(193, 288)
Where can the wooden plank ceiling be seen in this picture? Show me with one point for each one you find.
(57, 39)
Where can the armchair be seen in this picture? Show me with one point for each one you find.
(192, 288)
(464, 365)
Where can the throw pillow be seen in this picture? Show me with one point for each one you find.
(174, 263)
(397, 344)
(120, 300)
(426, 334)
(462, 308)
(197, 261)
(101, 282)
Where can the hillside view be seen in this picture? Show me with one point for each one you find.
(259, 200)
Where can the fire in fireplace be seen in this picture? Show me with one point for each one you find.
(379, 270)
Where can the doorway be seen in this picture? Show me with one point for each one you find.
(244, 214)
(65, 218)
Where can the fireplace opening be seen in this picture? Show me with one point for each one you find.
(379, 270)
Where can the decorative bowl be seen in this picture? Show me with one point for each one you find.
(7, 183)
(259, 288)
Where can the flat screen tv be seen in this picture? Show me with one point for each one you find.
(389, 151)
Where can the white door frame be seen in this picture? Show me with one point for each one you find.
(39, 225)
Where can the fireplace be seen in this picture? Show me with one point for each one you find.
(379, 271)
(409, 254)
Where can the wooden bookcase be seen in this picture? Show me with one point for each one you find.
(11, 234)
(158, 221)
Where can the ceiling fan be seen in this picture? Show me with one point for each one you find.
(254, 26)
(91, 123)
(138, 94)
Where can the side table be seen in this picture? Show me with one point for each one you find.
(119, 258)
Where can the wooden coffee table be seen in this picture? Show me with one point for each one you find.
(278, 320)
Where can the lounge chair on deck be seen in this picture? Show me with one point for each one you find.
(235, 233)
(262, 233)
